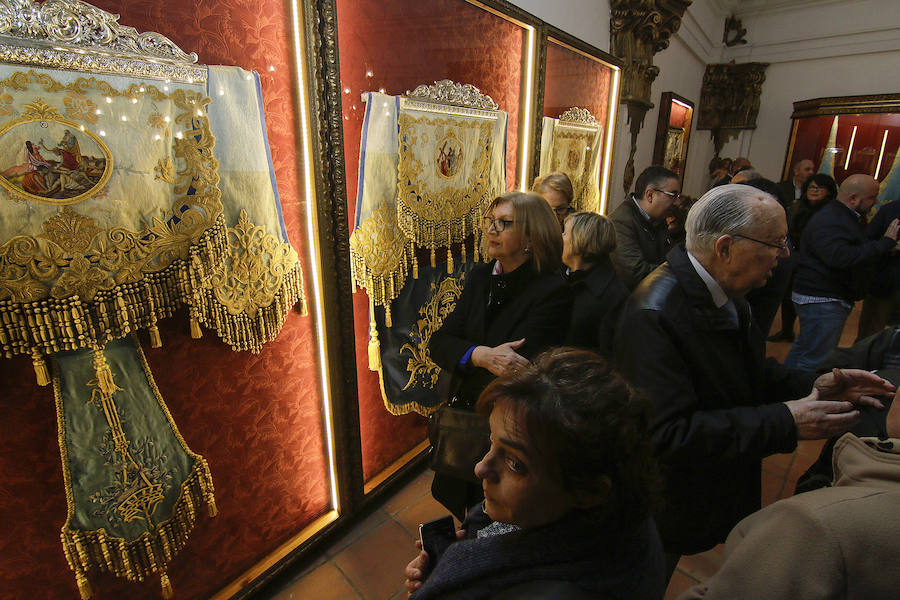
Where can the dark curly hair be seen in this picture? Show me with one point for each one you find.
(592, 427)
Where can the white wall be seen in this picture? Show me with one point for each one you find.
(681, 71)
(587, 20)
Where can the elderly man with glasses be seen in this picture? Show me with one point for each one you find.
(717, 406)
(641, 228)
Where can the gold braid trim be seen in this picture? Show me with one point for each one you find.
(435, 218)
(153, 550)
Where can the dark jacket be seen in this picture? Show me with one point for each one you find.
(715, 401)
(641, 244)
(599, 296)
(786, 193)
(575, 549)
(888, 280)
(837, 260)
(536, 307)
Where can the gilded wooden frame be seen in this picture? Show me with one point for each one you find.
(662, 130)
(836, 105)
(548, 33)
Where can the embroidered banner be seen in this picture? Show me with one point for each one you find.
(410, 380)
(575, 150)
(113, 214)
(133, 487)
(425, 173)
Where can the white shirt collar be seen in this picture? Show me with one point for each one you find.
(640, 208)
(719, 297)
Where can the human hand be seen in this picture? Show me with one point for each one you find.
(821, 419)
(502, 359)
(852, 385)
(892, 422)
(417, 569)
(892, 230)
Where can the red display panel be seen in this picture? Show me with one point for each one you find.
(393, 46)
(574, 79)
(867, 134)
(257, 419)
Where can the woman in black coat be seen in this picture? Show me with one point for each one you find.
(510, 310)
(588, 239)
(816, 192)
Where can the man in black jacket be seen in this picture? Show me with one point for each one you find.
(641, 230)
(836, 267)
(717, 406)
(789, 189)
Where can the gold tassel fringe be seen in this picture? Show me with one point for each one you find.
(40, 368)
(52, 325)
(152, 551)
(167, 591)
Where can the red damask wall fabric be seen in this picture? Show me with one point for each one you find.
(256, 418)
(573, 79)
(394, 46)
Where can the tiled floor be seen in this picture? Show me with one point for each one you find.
(367, 563)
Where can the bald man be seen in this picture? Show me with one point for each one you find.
(789, 189)
(836, 266)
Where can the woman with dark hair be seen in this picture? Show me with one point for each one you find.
(569, 483)
(588, 239)
(511, 309)
(817, 191)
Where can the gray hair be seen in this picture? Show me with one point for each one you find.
(724, 210)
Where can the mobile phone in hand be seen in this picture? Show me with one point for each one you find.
(436, 537)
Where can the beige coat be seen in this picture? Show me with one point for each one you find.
(837, 542)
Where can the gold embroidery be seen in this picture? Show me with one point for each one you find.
(433, 218)
(151, 552)
(78, 285)
(379, 254)
(424, 372)
(165, 170)
(252, 275)
(576, 147)
(80, 107)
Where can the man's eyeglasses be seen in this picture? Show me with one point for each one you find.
(672, 195)
(562, 211)
(781, 246)
(499, 225)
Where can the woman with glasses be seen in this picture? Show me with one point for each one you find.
(817, 191)
(588, 239)
(556, 189)
(511, 309)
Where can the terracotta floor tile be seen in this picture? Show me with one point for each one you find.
(680, 582)
(778, 464)
(423, 510)
(324, 583)
(772, 486)
(374, 565)
(703, 565)
(358, 531)
(411, 493)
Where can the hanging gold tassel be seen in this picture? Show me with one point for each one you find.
(374, 345)
(40, 367)
(84, 587)
(211, 509)
(196, 332)
(167, 591)
(449, 255)
(433, 259)
(415, 261)
(155, 339)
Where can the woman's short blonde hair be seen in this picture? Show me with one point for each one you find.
(591, 236)
(535, 221)
(555, 181)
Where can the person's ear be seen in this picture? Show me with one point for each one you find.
(648, 194)
(723, 247)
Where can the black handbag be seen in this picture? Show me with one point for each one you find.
(459, 439)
